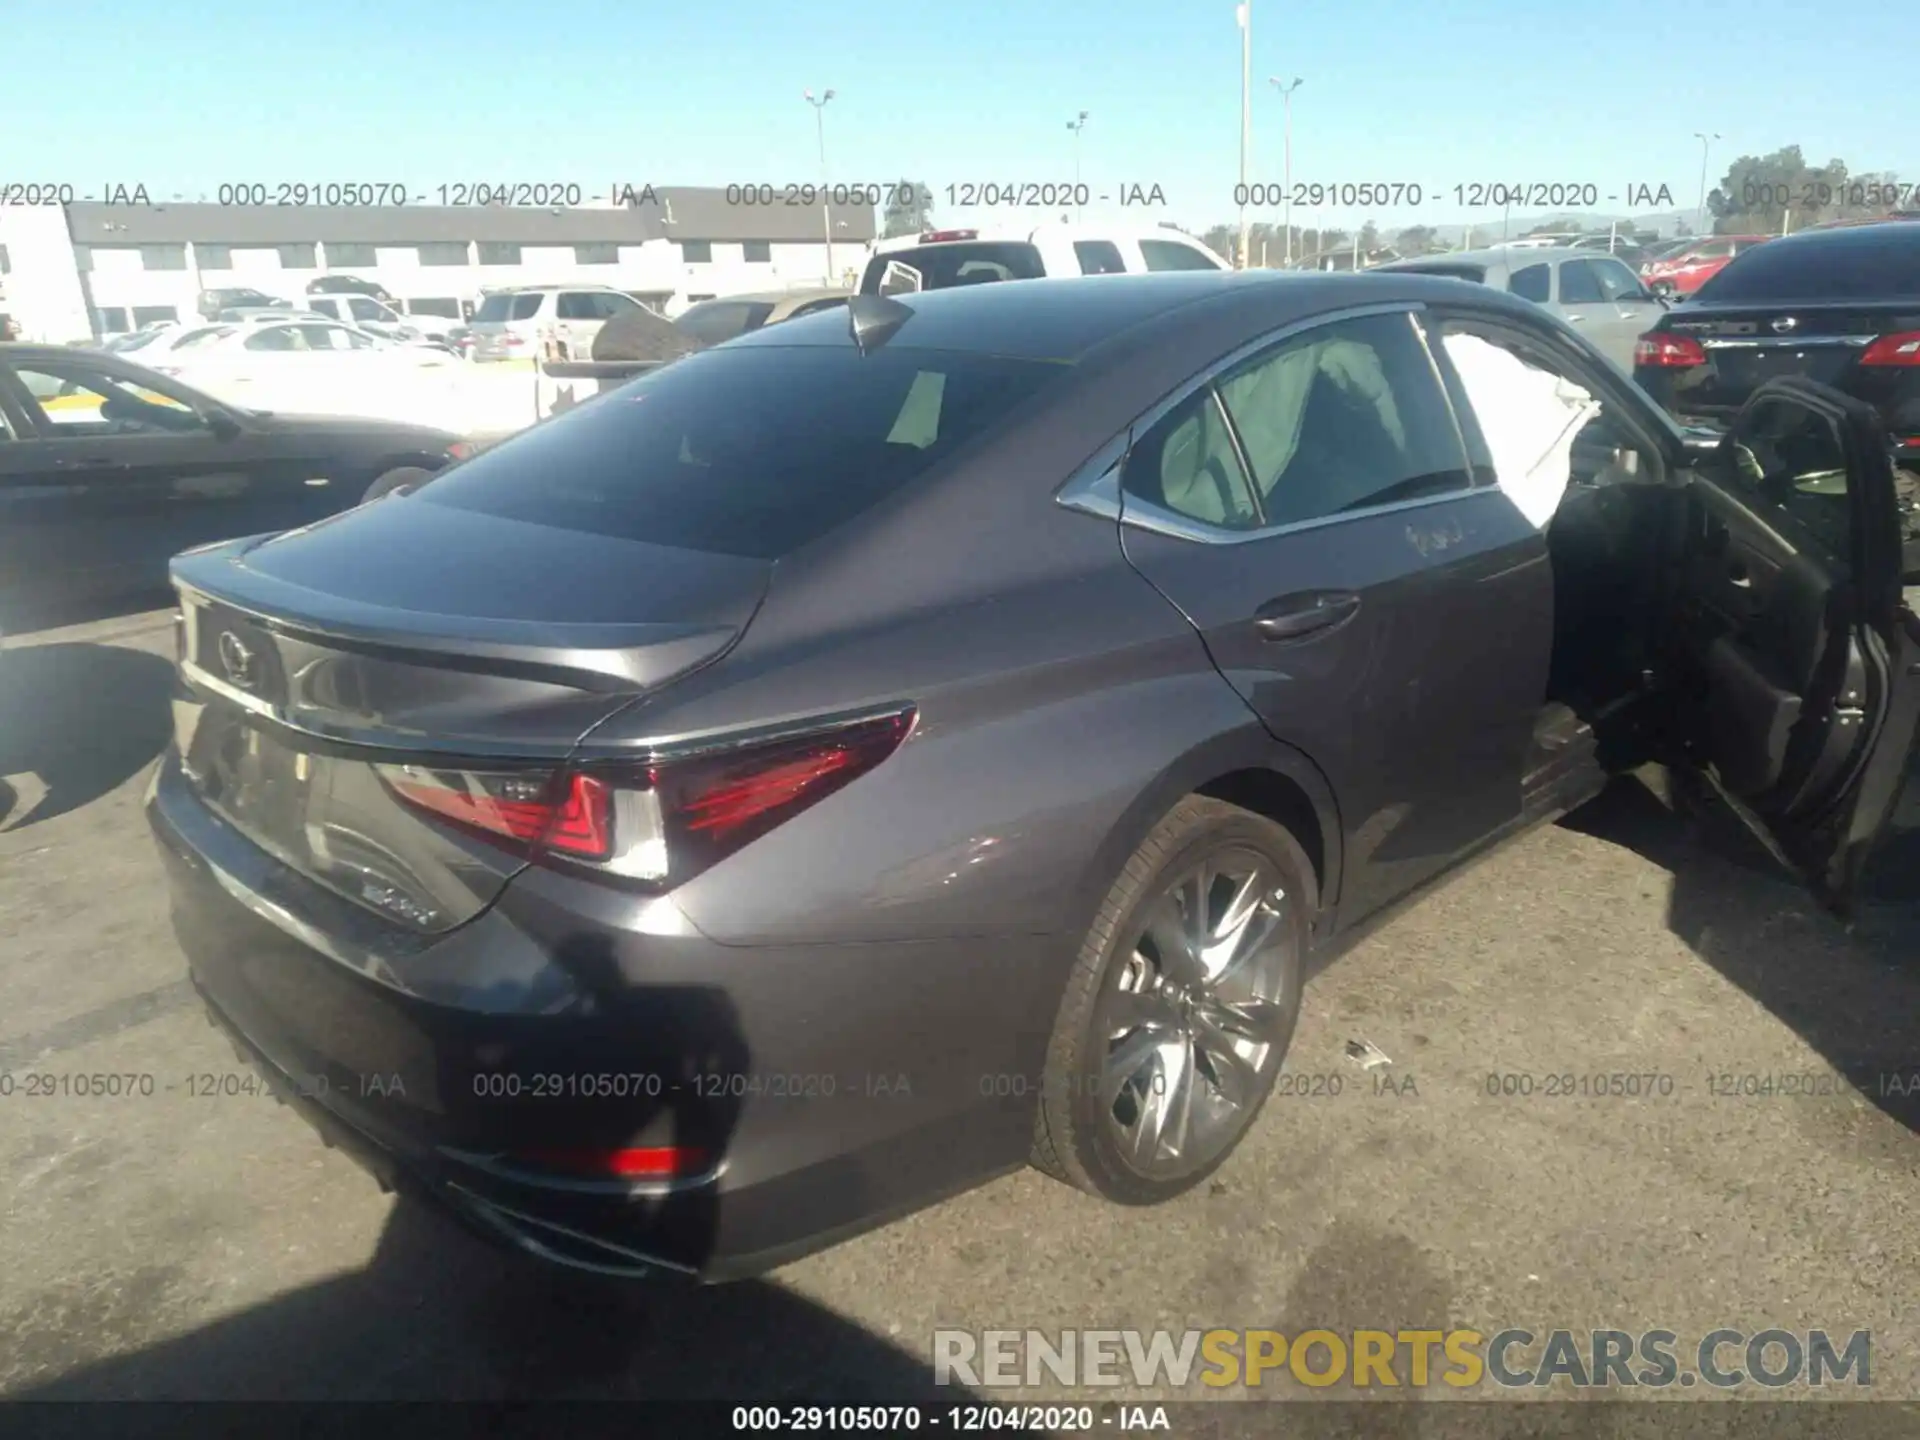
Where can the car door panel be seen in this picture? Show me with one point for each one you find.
(1796, 642)
(1370, 639)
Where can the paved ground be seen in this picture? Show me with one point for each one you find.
(185, 1247)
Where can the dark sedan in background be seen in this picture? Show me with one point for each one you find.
(108, 469)
(1840, 306)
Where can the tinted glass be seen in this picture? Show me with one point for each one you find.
(1187, 464)
(1345, 417)
(276, 337)
(497, 309)
(1578, 284)
(1617, 282)
(748, 452)
(325, 307)
(1533, 283)
(1871, 263)
(575, 306)
(1171, 255)
(364, 309)
(720, 320)
(966, 263)
(1099, 257)
(79, 401)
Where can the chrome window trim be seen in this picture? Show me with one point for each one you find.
(1094, 488)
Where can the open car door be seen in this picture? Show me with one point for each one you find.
(1800, 652)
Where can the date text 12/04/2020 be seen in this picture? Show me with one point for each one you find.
(1472, 195)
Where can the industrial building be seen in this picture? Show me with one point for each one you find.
(89, 269)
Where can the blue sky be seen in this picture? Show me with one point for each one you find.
(183, 98)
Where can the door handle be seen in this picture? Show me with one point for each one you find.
(1575, 319)
(1291, 617)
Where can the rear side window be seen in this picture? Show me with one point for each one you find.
(1578, 284)
(1870, 263)
(1172, 255)
(966, 263)
(1187, 464)
(1345, 417)
(721, 320)
(1533, 283)
(751, 452)
(1099, 257)
(497, 309)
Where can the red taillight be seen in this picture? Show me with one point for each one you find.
(459, 450)
(937, 237)
(1901, 349)
(1658, 348)
(655, 1162)
(511, 339)
(574, 816)
(666, 822)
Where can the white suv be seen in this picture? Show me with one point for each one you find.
(367, 313)
(943, 258)
(544, 321)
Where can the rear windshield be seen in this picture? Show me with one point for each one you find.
(498, 308)
(961, 263)
(721, 320)
(1856, 265)
(752, 452)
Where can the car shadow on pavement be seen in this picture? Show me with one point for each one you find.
(1851, 991)
(437, 1315)
(76, 721)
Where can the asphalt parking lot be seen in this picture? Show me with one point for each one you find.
(184, 1245)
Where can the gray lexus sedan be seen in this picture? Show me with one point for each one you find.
(943, 734)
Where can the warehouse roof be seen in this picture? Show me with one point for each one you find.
(654, 213)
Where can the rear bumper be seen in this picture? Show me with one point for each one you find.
(823, 1089)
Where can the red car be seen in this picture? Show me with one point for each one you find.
(1686, 271)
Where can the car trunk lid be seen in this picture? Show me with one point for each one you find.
(316, 666)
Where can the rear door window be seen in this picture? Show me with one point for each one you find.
(1578, 284)
(1533, 283)
(962, 263)
(1099, 257)
(1343, 418)
(751, 452)
(1172, 255)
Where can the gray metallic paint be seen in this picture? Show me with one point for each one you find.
(921, 921)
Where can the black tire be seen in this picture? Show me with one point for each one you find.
(411, 476)
(1073, 1136)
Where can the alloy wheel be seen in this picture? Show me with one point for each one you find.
(1194, 1014)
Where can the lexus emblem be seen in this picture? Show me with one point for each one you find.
(1785, 324)
(236, 659)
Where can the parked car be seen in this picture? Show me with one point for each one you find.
(1597, 293)
(365, 313)
(1694, 264)
(212, 302)
(714, 322)
(684, 762)
(1840, 306)
(314, 366)
(532, 321)
(349, 285)
(108, 469)
(940, 258)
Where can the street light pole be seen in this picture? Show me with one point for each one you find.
(826, 209)
(1077, 126)
(1286, 194)
(1706, 142)
(1245, 17)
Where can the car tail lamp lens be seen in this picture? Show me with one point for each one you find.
(1667, 352)
(937, 237)
(459, 450)
(653, 1162)
(1901, 349)
(661, 823)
